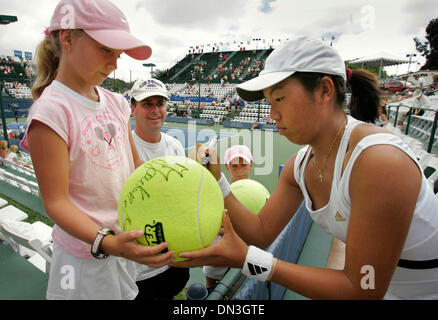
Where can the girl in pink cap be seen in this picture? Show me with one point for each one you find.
(239, 162)
(80, 141)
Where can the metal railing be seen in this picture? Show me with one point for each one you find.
(408, 120)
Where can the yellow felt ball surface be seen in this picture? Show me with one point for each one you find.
(174, 200)
(252, 194)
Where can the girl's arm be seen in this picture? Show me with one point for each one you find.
(137, 161)
(51, 162)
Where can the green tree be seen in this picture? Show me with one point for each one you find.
(429, 48)
(373, 70)
(158, 74)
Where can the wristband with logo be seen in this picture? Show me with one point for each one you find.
(258, 264)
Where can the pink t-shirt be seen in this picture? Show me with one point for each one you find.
(99, 153)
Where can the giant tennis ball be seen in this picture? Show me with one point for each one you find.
(250, 193)
(174, 200)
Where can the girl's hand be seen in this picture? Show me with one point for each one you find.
(213, 165)
(230, 251)
(125, 245)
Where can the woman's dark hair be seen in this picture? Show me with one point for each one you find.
(365, 94)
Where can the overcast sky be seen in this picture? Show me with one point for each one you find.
(170, 27)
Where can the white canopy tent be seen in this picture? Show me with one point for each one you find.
(379, 60)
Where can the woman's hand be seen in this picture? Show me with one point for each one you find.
(230, 251)
(125, 245)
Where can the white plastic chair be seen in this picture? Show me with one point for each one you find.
(34, 241)
(432, 162)
(3, 203)
(12, 213)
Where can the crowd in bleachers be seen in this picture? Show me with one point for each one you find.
(217, 67)
(251, 63)
(9, 66)
(212, 90)
(16, 90)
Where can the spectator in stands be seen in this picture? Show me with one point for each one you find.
(83, 152)
(382, 120)
(14, 148)
(352, 177)
(420, 101)
(6, 153)
(14, 155)
(395, 97)
(402, 111)
(239, 162)
(148, 106)
(420, 82)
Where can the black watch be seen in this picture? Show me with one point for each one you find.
(95, 246)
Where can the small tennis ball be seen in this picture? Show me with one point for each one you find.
(250, 193)
(174, 200)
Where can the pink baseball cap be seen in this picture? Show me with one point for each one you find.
(238, 151)
(102, 21)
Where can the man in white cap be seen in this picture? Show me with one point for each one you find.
(148, 106)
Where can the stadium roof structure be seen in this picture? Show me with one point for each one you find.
(7, 19)
(379, 60)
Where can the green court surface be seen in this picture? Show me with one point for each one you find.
(20, 280)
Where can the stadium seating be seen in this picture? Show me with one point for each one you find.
(18, 90)
(33, 241)
(19, 176)
(216, 67)
(251, 114)
(420, 127)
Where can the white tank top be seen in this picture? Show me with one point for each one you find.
(416, 277)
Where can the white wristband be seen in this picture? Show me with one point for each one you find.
(258, 264)
(224, 185)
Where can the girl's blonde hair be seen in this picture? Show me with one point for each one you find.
(14, 148)
(48, 54)
(3, 145)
